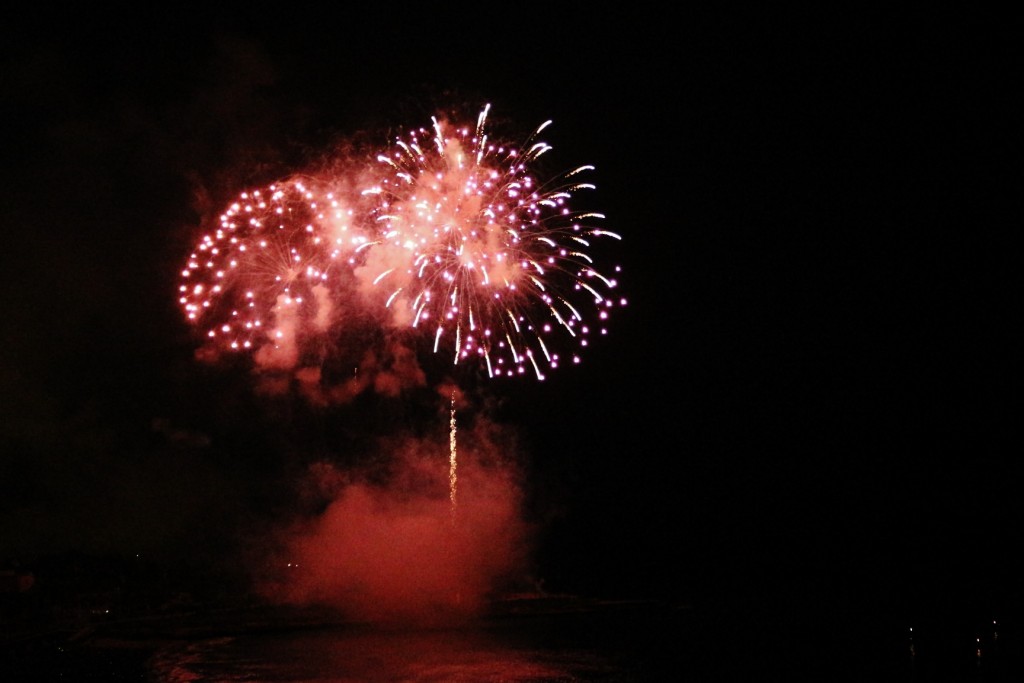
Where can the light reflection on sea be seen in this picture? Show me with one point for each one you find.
(549, 647)
(345, 655)
(573, 642)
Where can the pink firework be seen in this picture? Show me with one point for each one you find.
(492, 261)
(267, 265)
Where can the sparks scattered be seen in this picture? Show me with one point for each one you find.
(448, 232)
(267, 262)
(498, 267)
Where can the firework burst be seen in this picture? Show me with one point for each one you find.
(267, 264)
(447, 234)
(493, 262)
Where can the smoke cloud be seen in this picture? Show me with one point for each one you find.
(390, 545)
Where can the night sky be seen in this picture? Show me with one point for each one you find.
(805, 400)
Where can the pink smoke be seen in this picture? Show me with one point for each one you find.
(388, 548)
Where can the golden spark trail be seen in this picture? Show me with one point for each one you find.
(453, 477)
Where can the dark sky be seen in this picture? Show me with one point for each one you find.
(803, 398)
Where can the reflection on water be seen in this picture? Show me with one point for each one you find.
(581, 647)
(568, 640)
(346, 655)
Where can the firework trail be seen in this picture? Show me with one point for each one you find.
(453, 462)
(497, 266)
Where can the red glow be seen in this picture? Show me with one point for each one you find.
(393, 553)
